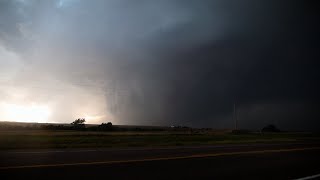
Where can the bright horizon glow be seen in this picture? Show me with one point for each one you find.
(24, 113)
(94, 119)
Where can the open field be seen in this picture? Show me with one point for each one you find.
(39, 139)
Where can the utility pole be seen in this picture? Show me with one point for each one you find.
(235, 118)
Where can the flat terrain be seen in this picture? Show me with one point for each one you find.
(245, 161)
(39, 139)
(39, 154)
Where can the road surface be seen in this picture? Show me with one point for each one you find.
(258, 161)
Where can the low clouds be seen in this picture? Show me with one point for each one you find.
(162, 62)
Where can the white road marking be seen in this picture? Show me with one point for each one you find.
(309, 177)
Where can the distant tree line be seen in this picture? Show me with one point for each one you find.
(79, 125)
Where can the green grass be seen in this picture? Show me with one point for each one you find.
(34, 139)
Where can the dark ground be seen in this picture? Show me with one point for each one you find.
(301, 162)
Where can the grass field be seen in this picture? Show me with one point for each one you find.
(36, 139)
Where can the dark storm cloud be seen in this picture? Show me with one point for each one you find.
(19, 20)
(264, 53)
(178, 62)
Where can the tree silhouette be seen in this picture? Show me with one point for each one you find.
(105, 126)
(270, 128)
(79, 123)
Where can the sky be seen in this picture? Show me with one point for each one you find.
(168, 62)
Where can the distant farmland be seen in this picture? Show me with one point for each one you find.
(148, 137)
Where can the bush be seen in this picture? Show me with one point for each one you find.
(105, 127)
(270, 128)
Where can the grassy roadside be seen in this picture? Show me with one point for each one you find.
(15, 140)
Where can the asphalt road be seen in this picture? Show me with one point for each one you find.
(259, 161)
